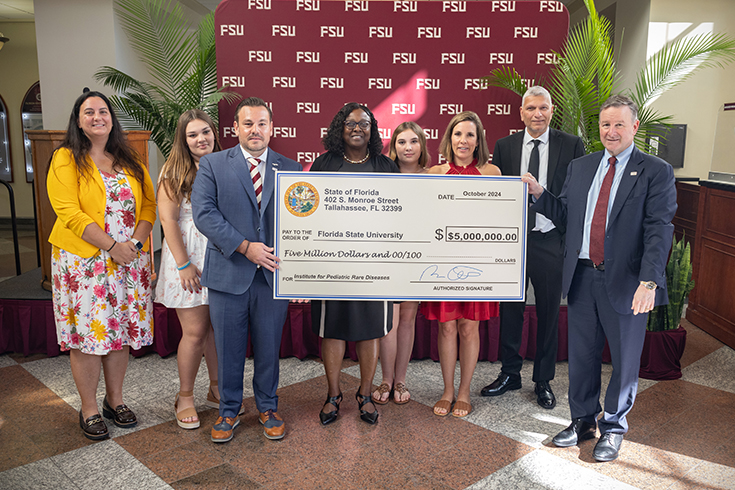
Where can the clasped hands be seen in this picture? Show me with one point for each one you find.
(124, 253)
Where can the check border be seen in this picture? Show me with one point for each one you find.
(281, 187)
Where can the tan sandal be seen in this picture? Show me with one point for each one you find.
(382, 390)
(442, 404)
(185, 413)
(400, 390)
(461, 406)
(213, 401)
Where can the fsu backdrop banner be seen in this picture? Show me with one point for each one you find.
(419, 61)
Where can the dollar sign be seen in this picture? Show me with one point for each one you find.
(439, 234)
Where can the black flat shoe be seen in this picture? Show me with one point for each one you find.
(505, 382)
(121, 416)
(544, 396)
(577, 431)
(329, 417)
(369, 417)
(94, 427)
(608, 447)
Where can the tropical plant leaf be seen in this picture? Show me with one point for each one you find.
(181, 60)
(506, 77)
(678, 61)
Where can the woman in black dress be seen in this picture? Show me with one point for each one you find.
(353, 145)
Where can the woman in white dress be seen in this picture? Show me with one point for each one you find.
(182, 259)
(408, 150)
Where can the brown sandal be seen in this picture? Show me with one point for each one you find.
(442, 404)
(400, 390)
(461, 406)
(382, 389)
(213, 401)
(185, 413)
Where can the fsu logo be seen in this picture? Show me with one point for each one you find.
(302, 199)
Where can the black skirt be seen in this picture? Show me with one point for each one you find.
(351, 320)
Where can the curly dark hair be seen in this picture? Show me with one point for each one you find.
(123, 156)
(333, 141)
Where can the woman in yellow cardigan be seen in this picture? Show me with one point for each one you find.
(105, 206)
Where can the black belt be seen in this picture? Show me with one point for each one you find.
(589, 263)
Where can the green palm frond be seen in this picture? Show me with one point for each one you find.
(506, 77)
(679, 60)
(180, 59)
(161, 37)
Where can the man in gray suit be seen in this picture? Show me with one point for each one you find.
(617, 205)
(233, 204)
(546, 153)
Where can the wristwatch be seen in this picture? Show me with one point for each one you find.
(139, 246)
(650, 285)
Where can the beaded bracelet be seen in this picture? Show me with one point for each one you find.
(188, 263)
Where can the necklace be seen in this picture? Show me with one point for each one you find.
(356, 162)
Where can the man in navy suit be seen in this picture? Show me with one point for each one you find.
(617, 206)
(233, 205)
(545, 153)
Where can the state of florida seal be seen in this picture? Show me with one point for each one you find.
(302, 199)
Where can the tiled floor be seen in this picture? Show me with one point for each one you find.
(682, 434)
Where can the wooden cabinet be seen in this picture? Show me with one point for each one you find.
(43, 144)
(685, 221)
(712, 302)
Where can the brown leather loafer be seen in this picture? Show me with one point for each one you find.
(94, 427)
(121, 416)
(223, 429)
(273, 425)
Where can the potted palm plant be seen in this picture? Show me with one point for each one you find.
(665, 337)
(181, 61)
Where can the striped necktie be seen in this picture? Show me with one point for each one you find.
(599, 218)
(257, 180)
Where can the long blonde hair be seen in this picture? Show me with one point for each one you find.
(178, 173)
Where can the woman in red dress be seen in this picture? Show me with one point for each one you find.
(465, 149)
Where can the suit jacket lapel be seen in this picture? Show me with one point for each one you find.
(269, 179)
(517, 152)
(588, 168)
(633, 170)
(553, 156)
(240, 167)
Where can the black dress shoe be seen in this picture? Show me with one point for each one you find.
(121, 415)
(577, 431)
(608, 447)
(544, 396)
(504, 383)
(329, 417)
(369, 417)
(94, 427)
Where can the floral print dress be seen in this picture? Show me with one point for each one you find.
(99, 305)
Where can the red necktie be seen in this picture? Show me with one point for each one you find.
(257, 181)
(599, 219)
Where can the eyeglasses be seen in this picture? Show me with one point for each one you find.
(352, 125)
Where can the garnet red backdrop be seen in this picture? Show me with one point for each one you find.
(421, 61)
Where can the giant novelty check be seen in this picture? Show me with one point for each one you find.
(367, 236)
